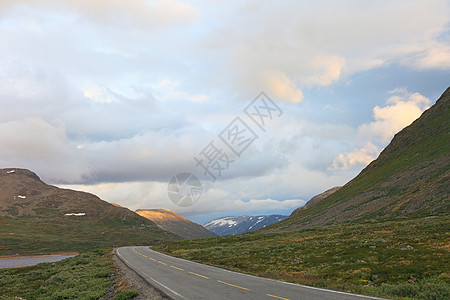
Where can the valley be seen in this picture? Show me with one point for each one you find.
(393, 259)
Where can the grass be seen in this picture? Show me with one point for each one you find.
(127, 294)
(86, 276)
(89, 275)
(32, 235)
(399, 259)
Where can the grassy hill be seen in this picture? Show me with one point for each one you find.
(402, 258)
(36, 218)
(173, 222)
(410, 178)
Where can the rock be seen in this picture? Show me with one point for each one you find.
(375, 277)
(360, 261)
(407, 247)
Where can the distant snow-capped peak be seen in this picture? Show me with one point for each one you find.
(241, 224)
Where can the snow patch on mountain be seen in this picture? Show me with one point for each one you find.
(75, 214)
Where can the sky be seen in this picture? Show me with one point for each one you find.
(117, 97)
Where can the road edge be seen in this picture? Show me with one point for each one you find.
(162, 292)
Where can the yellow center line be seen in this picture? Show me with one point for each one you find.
(162, 262)
(177, 268)
(147, 256)
(277, 297)
(198, 275)
(139, 252)
(236, 286)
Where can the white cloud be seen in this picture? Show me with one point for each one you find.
(34, 144)
(101, 95)
(401, 110)
(360, 157)
(141, 13)
(280, 86)
(326, 70)
(436, 57)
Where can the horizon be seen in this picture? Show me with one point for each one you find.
(118, 100)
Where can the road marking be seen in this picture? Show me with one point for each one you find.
(198, 275)
(236, 286)
(162, 262)
(277, 297)
(145, 255)
(177, 268)
(164, 286)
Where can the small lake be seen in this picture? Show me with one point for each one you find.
(29, 261)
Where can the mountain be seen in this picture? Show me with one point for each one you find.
(40, 218)
(241, 224)
(173, 222)
(316, 199)
(410, 178)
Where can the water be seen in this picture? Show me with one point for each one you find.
(29, 261)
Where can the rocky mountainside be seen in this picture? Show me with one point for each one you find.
(36, 217)
(173, 222)
(241, 224)
(410, 178)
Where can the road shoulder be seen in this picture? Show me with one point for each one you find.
(134, 281)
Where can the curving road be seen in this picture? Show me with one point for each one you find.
(183, 279)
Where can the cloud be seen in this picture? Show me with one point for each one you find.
(139, 195)
(437, 57)
(140, 13)
(44, 148)
(326, 70)
(124, 93)
(27, 91)
(319, 44)
(280, 86)
(360, 157)
(400, 111)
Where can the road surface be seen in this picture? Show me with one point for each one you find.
(183, 279)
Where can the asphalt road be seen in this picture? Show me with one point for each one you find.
(183, 279)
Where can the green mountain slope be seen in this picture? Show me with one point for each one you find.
(410, 178)
(39, 218)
